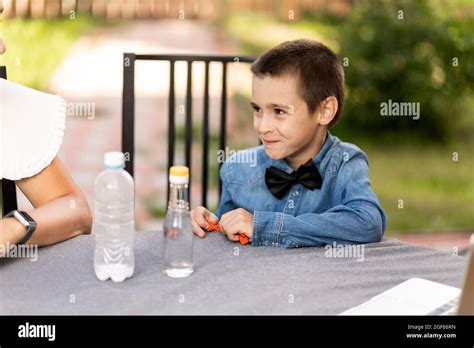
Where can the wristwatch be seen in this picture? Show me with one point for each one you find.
(26, 220)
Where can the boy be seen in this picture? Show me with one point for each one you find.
(308, 188)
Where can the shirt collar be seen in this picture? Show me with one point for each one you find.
(317, 159)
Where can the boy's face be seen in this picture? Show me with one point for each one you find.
(282, 120)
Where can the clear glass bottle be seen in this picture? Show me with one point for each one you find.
(177, 227)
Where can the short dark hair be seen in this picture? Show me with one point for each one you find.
(318, 70)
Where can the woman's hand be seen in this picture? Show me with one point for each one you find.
(11, 232)
(237, 221)
(199, 217)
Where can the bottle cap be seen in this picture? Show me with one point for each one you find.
(179, 175)
(114, 159)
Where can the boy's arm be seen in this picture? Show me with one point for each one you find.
(225, 203)
(359, 218)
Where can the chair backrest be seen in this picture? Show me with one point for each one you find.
(9, 201)
(128, 109)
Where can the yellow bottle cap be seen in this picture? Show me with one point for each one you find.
(179, 171)
(179, 175)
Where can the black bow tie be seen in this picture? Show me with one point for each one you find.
(279, 181)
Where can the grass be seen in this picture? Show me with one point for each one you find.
(434, 192)
(35, 47)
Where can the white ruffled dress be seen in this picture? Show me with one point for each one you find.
(32, 128)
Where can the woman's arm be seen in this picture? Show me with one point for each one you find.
(61, 210)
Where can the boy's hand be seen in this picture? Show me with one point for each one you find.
(199, 218)
(235, 221)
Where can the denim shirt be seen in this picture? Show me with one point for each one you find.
(345, 210)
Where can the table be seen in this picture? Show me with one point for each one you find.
(229, 278)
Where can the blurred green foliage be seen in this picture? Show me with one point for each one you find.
(35, 47)
(406, 51)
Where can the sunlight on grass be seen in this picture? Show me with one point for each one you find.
(437, 192)
(256, 33)
(35, 47)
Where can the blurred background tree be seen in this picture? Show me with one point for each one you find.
(407, 51)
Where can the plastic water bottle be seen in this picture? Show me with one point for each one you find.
(177, 228)
(114, 220)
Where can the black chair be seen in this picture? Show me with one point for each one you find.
(9, 201)
(128, 109)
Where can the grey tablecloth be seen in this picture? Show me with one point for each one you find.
(259, 280)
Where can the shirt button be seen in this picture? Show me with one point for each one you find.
(296, 193)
